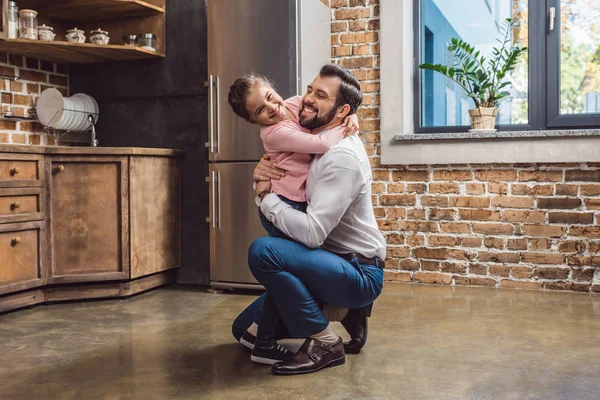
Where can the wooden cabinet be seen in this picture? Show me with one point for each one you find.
(88, 219)
(118, 17)
(85, 223)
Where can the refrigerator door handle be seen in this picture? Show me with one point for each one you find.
(218, 102)
(218, 210)
(211, 143)
(212, 210)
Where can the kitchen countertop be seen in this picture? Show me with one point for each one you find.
(129, 151)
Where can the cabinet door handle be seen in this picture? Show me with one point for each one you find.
(60, 168)
(15, 241)
(14, 171)
(211, 127)
(14, 205)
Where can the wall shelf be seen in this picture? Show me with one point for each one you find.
(98, 10)
(81, 53)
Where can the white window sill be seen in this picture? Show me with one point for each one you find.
(556, 146)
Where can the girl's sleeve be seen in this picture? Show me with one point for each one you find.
(286, 138)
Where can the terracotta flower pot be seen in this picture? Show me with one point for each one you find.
(483, 117)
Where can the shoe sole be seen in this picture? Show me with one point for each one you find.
(262, 360)
(246, 343)
(331, 363)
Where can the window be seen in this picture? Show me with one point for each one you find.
(555, 85)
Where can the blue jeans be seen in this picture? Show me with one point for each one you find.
(268, 225)
(298, 279)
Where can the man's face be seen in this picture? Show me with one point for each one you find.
(318, 104)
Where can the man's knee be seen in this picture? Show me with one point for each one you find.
(260, 252)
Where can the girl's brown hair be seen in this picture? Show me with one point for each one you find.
(240, 90)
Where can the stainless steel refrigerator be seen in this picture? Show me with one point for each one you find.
(286, 40)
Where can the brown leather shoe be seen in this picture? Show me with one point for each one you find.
(356, 325)
(312, 356)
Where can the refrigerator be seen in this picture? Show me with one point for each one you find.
(286, 40)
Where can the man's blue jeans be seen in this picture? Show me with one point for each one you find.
(298, 279)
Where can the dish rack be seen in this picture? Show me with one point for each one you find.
(73, 136)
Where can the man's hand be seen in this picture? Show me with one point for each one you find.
(262, 186)
(351, 125)
(265, 171)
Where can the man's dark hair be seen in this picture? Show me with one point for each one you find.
(349, 92)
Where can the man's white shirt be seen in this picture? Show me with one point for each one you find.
(339, 217)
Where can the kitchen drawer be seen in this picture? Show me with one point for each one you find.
(21, 170)
(21, 254)
(19, 205)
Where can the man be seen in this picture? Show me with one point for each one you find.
(338, 252)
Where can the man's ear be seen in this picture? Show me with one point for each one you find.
(344, 111)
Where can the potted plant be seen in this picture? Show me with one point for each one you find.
(484, 80)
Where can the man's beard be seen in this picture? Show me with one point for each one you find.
(316, 121)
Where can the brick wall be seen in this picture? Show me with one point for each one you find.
(35, 76)
(520, 226)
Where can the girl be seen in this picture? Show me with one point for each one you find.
(290, 147)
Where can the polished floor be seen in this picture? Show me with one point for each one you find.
(426, 342)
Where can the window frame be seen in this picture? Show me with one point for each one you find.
(543, 77)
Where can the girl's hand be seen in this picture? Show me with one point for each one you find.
(351, 125)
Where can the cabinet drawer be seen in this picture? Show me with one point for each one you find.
(18, 205)
(21, 170)
(20, 252)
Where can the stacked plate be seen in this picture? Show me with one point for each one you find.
(66, 113)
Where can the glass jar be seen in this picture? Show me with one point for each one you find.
(28, 24)
(13, 20)
(147, 41)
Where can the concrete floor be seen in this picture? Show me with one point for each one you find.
(426, 342)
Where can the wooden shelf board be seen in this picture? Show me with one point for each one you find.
(69, 53)
(97, 10)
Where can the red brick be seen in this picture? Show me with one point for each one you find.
(534, 190)
(335, 39)
(379, 212)
(585, 274)
(33, 76)
(368, 87)
(497, 256)
(479, 215)
(496, 175)
(474, 281)
(512, 202)
(392, 263)
(410, 265)
(500, 270)
(582, 176)
(516, 244)
(540, 176)
(440, 240)
(498, 187)
(453, 175)
(589, 190)
(592, 231)
(378, 187)
(570, 218)
(412, 176)
(354, 13)
(444, 187)
(566, 203)
(416, 188)
(523, 216)
(417, 226)
(428, 265)
(393, 276)
(594, 247)
(493, 229)
(455, 227)
(415, 213)
(542, 258)
(540, 244)
(440, 201)
(18, 138)
(544, 230)
(373, 24)
(456, 254)
(455, 268)
(436, 254)
(562, 285)
(469, 201)
(475, 188)
(437, 214)
(478, 269)
(430, 277)
(580, 287)
(395, 213)
(359, 25)
(494, 242)
(339, 51)
(381, 175)
(394, 238)
(4, 138)
(339, 3)
(398, 252)
(415, 240)
(339, 26)
(527, 285)
(578, 260)
(357, 62)
(551, 273)
(471, 242)
(388, 225)
(592, 204)
(521, 272)
(398, 200)
(567, 190)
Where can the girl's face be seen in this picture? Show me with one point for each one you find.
(265, 106)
